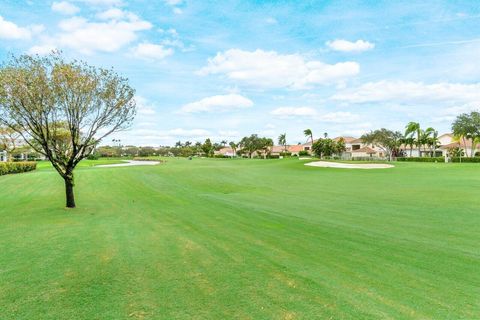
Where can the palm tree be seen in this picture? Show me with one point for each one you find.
(233, 145)
(223, 143)
(282, 140)
(425, 137)
(308, 133)
(433, 141)
(409, 141)
(411, 129)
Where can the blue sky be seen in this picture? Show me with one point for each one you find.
(228, 69)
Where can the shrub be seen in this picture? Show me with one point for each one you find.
(220, 156)
(16, 167)
(470, 160)
(93, 156)
(441, 159)
(285, 154)
(273, 156)
(148, 159)
(422, 159)
(303, 153)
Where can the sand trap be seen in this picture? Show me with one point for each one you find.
(327, 164)
(129, 163)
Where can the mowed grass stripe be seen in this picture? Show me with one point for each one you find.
(242, 239)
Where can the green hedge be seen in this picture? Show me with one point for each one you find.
(464, 159)
(148, 159)
(16, 167)
(440, 159)
(422, 159)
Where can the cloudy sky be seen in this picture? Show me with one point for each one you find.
(225, 69)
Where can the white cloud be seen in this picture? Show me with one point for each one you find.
(87, 37)
(218, 103)
(65, 7)
(450, 113)
(150, 51)
(173, 2)
(286, 112)
(41, 50)
(106, 3)
(144, 107)
(348, 46)
(338, 117)
(228, 133)
(9, 30)
(179, 132)
(116, 14)
(414, 93)
(271, 20)
(273, 70)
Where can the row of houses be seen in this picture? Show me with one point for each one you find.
(356, 148)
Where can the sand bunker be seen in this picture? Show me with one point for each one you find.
(129, 163)
(327, 164)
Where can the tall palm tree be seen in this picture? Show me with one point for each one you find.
(433, 141)
(425, 137)
(282, 140)
(411, 129)
(233, 145)
(409, 141)
(308, 133)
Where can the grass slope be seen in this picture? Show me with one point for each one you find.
(243, 239)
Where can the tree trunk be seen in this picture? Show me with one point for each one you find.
(70, 197)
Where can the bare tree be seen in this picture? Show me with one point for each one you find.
(63, 109)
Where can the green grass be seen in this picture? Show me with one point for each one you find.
(242, 239)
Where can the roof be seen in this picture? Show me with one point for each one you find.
(292, 148)
(358, 140)
(346, 139)
(367, 150)
(224, 150)
(295, 148)
(461, 144)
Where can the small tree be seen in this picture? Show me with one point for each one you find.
(282, 140)
(467, 127)
(207, 147)
(328, 147)
(63, 109)
(265, 144)
(387, 140)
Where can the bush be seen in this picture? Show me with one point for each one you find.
(441, 159)
(220, 156)
(16, 167)
(273, 156)
(148, 159)
(463, 159)
(422, 159)
(303, 153)
(285, 154)
(93, 156)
